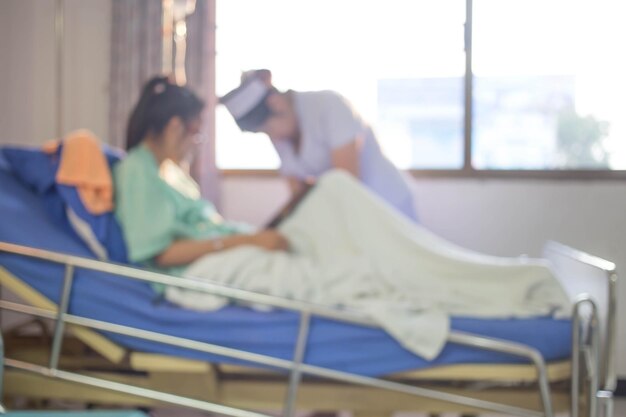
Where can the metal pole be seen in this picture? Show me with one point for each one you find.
(298, 358)
(60, 320)
(594, 366)
(605, 403)
(468, 87)
(609, 368)
(591, 353)
(515, 349)
(575, 377)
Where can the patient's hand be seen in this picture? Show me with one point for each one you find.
(270, 239)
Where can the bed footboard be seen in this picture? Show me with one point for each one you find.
(591, 283)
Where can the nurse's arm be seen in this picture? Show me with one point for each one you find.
(296, 185)
(346, 157)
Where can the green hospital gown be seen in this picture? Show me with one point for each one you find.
(156, 206)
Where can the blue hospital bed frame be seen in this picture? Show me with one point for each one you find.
(593, 342)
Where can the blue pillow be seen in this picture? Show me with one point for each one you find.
(37, 170)
(31, 166)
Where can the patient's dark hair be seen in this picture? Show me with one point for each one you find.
(160, 101)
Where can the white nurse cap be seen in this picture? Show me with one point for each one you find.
(243, 99)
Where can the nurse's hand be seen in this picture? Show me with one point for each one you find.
(270, 239)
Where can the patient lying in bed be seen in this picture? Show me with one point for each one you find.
(341, 246)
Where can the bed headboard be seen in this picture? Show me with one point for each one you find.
(581, 273)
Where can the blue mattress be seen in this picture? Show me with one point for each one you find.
(340, 346)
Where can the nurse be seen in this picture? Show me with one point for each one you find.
(314, 132)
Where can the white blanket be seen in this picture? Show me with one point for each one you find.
(348, 248)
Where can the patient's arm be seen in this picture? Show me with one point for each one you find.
(185, 251)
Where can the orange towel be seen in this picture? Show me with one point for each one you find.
(84, 166)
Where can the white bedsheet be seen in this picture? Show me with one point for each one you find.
(350, 249)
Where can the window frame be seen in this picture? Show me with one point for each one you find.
(467, 171)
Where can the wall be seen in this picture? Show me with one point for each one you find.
(499, 217)
(28, 69)
(28, 74)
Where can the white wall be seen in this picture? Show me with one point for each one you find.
(28, 69)
(499, 217)
(28, 74)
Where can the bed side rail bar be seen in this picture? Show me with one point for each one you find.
(289, 365)
(187, 283)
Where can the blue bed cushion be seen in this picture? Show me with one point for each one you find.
(37, 170)
(336, 345)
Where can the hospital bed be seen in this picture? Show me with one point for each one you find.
(114, 342)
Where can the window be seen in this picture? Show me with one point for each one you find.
(546, 76)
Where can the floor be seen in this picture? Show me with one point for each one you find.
(619, 411)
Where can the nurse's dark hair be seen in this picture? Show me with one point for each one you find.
(160, 100)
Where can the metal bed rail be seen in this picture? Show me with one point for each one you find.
(295, 367)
